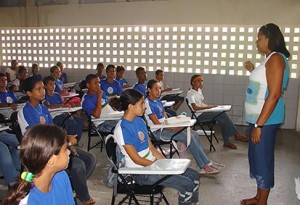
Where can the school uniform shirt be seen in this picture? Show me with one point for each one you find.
(31, 115)
(55, 99)
(154, 107)
(64, 77)
(122, 81)
(8, 97)
(133, 133)
(111, 89)
(59, 86)
(89, 104)
(38, 76)
(60, 192)
(196, 96)
(142, 87)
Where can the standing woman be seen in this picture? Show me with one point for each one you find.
(265, 108)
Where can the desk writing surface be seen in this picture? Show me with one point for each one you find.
(175, 91)
(68, 85)
(183, 124)
(161, 166)
(110, 116)
(70, 95)
(4, 128)
(168, 103)
(219, 108)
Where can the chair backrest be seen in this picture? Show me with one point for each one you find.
(191, 109)
(111, 149)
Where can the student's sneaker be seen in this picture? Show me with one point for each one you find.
(209, 170)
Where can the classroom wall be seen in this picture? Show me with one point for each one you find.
(218, 89)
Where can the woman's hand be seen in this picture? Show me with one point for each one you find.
(256, 135)
(249, 66)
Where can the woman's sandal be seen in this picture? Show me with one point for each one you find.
(250, 201)
(241, 138)
(230, 145)
(89, 201)
(208, 170)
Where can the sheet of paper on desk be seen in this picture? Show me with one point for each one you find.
(177, 119)
(175, 89)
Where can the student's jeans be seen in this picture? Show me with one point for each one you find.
(187, 184)
(9, 163)
(227, 127)
(195, 146)
(73, 124)
(80, 169)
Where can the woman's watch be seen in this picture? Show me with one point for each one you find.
(258, 126)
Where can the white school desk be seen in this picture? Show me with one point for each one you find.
(69, 85)
(4, 128)
(219, 108)
(70, 95)
(57, 111)
(175, 91)
(168, 103)
(161, 166)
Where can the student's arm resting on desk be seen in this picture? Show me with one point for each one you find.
(136, 158)
(195, 107)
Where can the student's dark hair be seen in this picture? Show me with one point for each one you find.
(90, 77)
(150, 84)
(129, 96)
(52, 69)
(34, 66)
(157, 72)
(139, 70)
(47, 79)
(2, 75)
(29, 83)
(194, 77)
(120, 68)
(276, 39)
(109, 67)
(100, 65)
(58, 63)
(21, 69)
(38, 145)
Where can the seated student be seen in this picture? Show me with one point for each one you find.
(120, 71)
(63, 77)
(7, 97)
(35, 71)
(95, 103)
(197, 102)
(155, 114)
(141, 85)
(110, 86)
(11, 73)
(59, 85)
(33, 113)
(100, 69)
(159, 75)
(10, 164)
(131, 135)
(44, 155)
(74, 123)
(17, 84)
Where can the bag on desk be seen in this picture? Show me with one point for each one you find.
(177, 119)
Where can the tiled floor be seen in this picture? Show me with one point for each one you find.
(233, 183)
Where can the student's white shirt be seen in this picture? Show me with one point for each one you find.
(12, 73)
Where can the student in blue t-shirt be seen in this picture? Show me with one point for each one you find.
(141, 85)
(63, 77)
(44, 155)
(131, 135)
(59, 85)
(7, 97)
(33, 113)
(95, 103)
(110, 86)
(100, 68)
(73, 123)
(120, 71)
